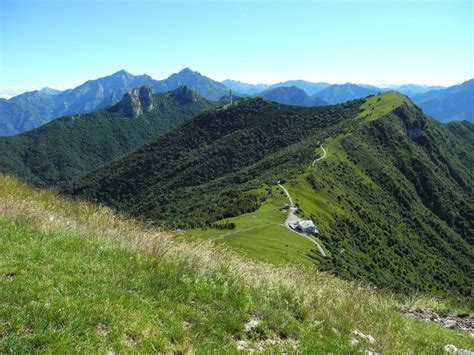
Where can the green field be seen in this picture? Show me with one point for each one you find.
(261, 235)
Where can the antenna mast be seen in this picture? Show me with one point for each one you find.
(231, 98)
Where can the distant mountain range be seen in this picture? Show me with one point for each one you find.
(244, 88)
(33, 109)
(291, 96)
(453, 103)
(336, 94)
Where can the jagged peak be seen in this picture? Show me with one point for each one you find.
(136, 102)
(122, 72)
(187, 70)
(184, 94)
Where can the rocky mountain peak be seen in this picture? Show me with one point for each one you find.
(183, 94)
(136, 102)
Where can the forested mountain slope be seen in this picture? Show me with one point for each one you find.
(393, 199)
(74, 145)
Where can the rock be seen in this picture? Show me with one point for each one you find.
(463, 321)
(451, 349)
(251, 324)
(136, 102)
(354, 342)
(450, 324)
(358, 333)
(241, 344)
(184, 95)
(10, 276)
(370, 351)
(371, 339)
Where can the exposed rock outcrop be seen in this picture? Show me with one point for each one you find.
(136, 102)
(184, 95)
(461, 321)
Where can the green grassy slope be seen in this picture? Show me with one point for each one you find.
(74, 145)
(77, 278)
(261, 235)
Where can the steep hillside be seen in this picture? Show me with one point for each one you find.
(290, 96)
(336, 94)
(73, 145)
(453, 103)
(33, 109)
(393, 199)
(76, 276)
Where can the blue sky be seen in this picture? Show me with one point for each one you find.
(63, 43)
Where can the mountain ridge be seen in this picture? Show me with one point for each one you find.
(384, 172)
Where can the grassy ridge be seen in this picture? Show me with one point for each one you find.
(76, 277)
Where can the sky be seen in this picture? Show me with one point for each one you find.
(61, 44)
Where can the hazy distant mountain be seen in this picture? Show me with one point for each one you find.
(244, 88)
(412, 89)
(206, 87)
(336, 94)
(33, 109)
(50, 91)
(290, 96)
(309, 87)
(453, 103)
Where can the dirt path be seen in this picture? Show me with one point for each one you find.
(293, 218)
(320, 158)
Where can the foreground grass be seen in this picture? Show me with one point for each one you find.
(76, 278)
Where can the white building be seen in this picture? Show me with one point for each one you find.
(306, 226)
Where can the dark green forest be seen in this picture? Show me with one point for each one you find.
(71, 146)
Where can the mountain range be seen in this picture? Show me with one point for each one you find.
(291, 95)
(453, 103)
(33, 109)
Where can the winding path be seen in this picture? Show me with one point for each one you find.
(293, 218)
(320, 158)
